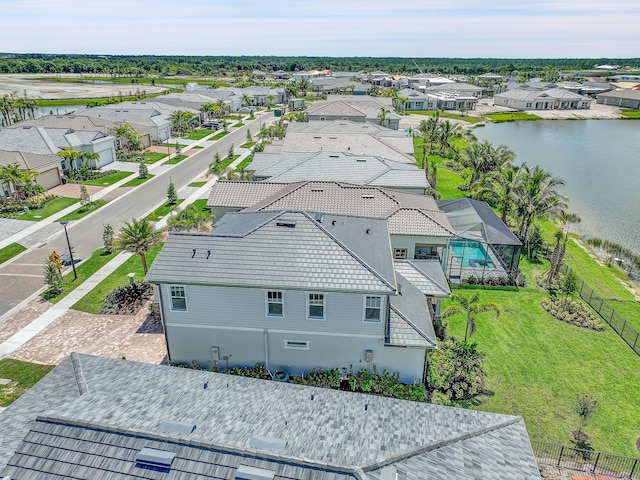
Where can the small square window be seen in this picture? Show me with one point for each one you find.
(373, 309)
(315, 306)
(275, 304)
(178, 299)
(400, 253)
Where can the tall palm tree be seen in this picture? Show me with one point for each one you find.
(429, 129)
(538, 198)
(12, 176)
(382, 117)
(270, 99)
(138, 237)
(471, 307)
(446, 134)
(562, 237)
(500, 188)
(88, 158)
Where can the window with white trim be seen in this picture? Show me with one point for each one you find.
(400, 253)
(315, 306)
(178, 298)
(372, 309)
(275, 304)
(296, 344)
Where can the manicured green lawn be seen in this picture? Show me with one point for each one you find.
(137, 181)
(244, 163)
(448, 180)
(633, 114)
(197, 184)
(54, 206)
(153, 157)
(197, 147)
(218, 136)
(536, 365)
(161, 212)
(511, 117)
(23, 375)
(239, 124)
(457, 116)
(200, 134)
(10, 251)
(247, 145)
(91, 302)
(201, 204)
(107, 180)
(84, 210)
(84, 270)
(176, 159)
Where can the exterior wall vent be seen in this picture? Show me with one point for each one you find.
(245, 472)
(363, 160)
(173, 426)
(367, 196)
(271, 444)
(155, 459)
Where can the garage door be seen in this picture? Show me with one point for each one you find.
(49, 179)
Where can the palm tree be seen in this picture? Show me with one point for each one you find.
(483, 158)
(88, 157)
(429, 130)
(270, 99)
(382, 117)
(14, 177)
(538, 198)
(246, 100)
(446, 134)
(70, 157)
(501, 188)
(471, 307)
(562, 237)
(138, 237)
(191, 219)
(181, 122)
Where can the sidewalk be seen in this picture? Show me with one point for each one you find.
(45, 319)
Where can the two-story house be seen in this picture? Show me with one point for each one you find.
(295, 291)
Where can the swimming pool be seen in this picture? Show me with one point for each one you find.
(471, 254)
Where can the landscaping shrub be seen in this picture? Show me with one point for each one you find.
(455, 372)
(510, 280)
(573, 312)
(126, 300)
(11, 205)
(85, 173)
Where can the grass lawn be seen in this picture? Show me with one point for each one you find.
(23, 375)
(199, 135)
(244, 163)
(153, 157)
(239, 124)
(91, 302)
(247, 145)
(10, 251)
(84, 210)
(84, 270)
(448, 180)
(202, 205)
(218, 136)
(54, 206)
(197, 147)
(634, 114)
(161, 212)
(138, 181)
(536, 365)
(457, 116)
(197, 184)
(107, 180)
(511, 117)
(176, 159)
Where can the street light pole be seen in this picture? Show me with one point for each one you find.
(73, 264)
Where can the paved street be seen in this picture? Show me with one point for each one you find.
(22, 277)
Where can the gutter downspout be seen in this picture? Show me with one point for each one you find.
(266, 348)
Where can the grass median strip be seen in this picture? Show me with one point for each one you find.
(92, 301)
(161, 212)
(84, 210)
(197, 184)
(153, 157)
(10, 251)
(138, 181)
(176, 159)
(84, 270)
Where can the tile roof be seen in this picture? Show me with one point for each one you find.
(343, 166)
(410, 322)
(148, 117)
(426, 275)
(327, 434)
(335, 109)
(289, 250)
(242, 195)
(79, 122)
(406, 213)
(29, 161)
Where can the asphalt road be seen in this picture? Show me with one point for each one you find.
(21, 278)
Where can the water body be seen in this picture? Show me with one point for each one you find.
(57, 110)
(599, 161)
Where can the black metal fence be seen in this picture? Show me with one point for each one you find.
(586, 460)
(608, 314)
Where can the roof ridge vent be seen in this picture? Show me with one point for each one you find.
(79, 374)
(245, 472)
(155, 459)
(173, 426)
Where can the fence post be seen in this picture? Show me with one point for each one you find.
(590, 296)
(601, 303)
(595, 464)
(612, 312)
(560, 456)
(636, 341)
(633, 469)
(623, 325)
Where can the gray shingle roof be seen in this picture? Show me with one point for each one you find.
(126, 402)
(406, 213)
(342, 166)
(426, 275)
(282, 250)
(80, 122)
(148, 117)
(29, 161)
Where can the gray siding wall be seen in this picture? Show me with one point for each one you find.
(235, 321)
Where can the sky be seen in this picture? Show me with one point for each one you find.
(336, 28)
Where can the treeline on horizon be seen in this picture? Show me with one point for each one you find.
(131, 65)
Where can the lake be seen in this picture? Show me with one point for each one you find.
(599, 161)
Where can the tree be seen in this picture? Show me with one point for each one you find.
(182, 122)
(249, 137)
(138, 237)
(501, 188)
(429, 129)
(562, 237)
(456, 371)
(230, 152)
(70, 156)
(52, 276)
(191, 219)
(143, 171)
(85, 198)
(382, 117)
(172, 195)
(471, 307)
(107, 238)
(246, 100)
(15, 177)
(88, 158)
(569, 286)
(446, 134)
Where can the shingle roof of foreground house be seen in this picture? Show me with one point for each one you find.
(406, 213)
(94, 417)
(292, 250)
